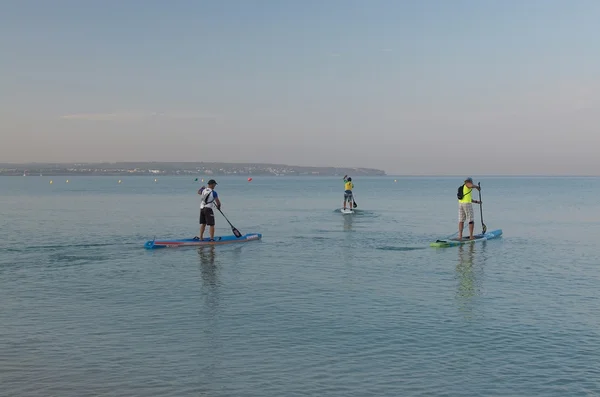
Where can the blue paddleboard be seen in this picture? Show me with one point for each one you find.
(190, 242)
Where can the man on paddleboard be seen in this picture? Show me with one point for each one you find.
(465, 208)
(348, 186)
(210, 200)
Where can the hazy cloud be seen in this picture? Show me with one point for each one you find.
(137, 116)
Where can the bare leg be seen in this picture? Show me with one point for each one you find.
(212, 232)
(460, 229)
(471, 227)
(344, 203)
(202, 227)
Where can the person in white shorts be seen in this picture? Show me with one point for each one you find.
(465, 208)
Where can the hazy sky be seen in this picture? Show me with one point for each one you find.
(412, 87)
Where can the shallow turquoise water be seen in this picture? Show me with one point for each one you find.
(326, 304)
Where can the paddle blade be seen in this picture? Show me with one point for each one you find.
(355, 205)
(484, 228)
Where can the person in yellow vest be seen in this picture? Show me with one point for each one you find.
(465, 208)
(348, 186)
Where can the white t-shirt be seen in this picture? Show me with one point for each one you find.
(208, 198)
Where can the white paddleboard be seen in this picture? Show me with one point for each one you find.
(346, 211)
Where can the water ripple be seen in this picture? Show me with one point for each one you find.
(325, 304)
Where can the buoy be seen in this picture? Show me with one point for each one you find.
(395, 180)
(119, 181)
(249, 179)
(202, 180)
(154, 179)
(51, 182)
(67, 181)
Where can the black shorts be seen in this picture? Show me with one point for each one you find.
(207, 217)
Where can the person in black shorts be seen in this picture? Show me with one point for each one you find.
(210, 200)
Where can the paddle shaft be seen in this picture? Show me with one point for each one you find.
(483, 227)
(235, 231)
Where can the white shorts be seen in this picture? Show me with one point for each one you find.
(465, 212)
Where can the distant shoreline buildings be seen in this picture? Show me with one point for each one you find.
(159, 168)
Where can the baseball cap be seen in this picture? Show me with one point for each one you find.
(212, 182)
(469, 179)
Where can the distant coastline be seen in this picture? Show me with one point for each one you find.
(181, 168)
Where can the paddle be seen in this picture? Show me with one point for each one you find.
(483, 227)
(233, 229)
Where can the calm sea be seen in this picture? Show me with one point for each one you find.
(325, 305)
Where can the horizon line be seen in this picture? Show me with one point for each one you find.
(461, 177)
(386, 174)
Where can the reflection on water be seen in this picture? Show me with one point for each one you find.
(464, 268)
(207, 265)
(210, 309)
(468, 280)
(348, 219)
(348, 253)
(209, 272)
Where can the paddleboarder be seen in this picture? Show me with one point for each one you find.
(210, 200)
(465, 207)
(348, 186)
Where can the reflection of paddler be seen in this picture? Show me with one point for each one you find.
(207, 264)
(465, 272)
(348, 222)
(207, 255)
(209, 272)
(466, 258)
